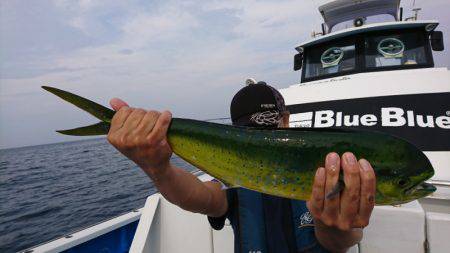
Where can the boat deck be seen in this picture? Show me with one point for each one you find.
(163, 227)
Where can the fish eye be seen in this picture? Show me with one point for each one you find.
(402, 182)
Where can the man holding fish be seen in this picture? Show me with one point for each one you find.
(261, 222)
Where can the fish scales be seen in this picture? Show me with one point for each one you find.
(283, 162)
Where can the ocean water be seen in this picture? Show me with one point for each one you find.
(50, 190)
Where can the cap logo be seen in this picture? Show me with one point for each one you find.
(267, 118)
(267, 106)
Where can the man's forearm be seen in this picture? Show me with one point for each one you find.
(337, 240)
(188, 192)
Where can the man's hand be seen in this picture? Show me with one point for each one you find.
(348, 210)
(141, 136)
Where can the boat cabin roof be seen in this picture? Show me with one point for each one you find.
(339, 11)
(428, 25)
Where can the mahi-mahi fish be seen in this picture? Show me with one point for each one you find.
(281, 162)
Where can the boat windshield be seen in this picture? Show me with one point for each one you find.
(329, 59)
(388, 50)
(395, 50)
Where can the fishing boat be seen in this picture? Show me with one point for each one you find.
(369, 67)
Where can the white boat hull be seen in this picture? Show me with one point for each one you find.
(419, 226)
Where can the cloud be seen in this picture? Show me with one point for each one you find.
(167, 24)
(187, 56)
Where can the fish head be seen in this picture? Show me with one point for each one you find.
(404, 182)
(419, 191)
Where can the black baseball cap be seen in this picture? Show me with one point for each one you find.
(257, 105)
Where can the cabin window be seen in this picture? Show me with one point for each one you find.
(330, 59)
(367, 52)
(395, 50)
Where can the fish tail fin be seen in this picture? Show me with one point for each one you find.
(99, 111)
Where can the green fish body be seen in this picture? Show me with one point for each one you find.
(283, 162)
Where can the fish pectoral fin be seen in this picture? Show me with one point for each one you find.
(340, 185)
(100, 128)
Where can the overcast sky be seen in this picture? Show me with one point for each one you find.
(186, 56)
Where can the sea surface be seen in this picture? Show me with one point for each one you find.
(48, 191)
